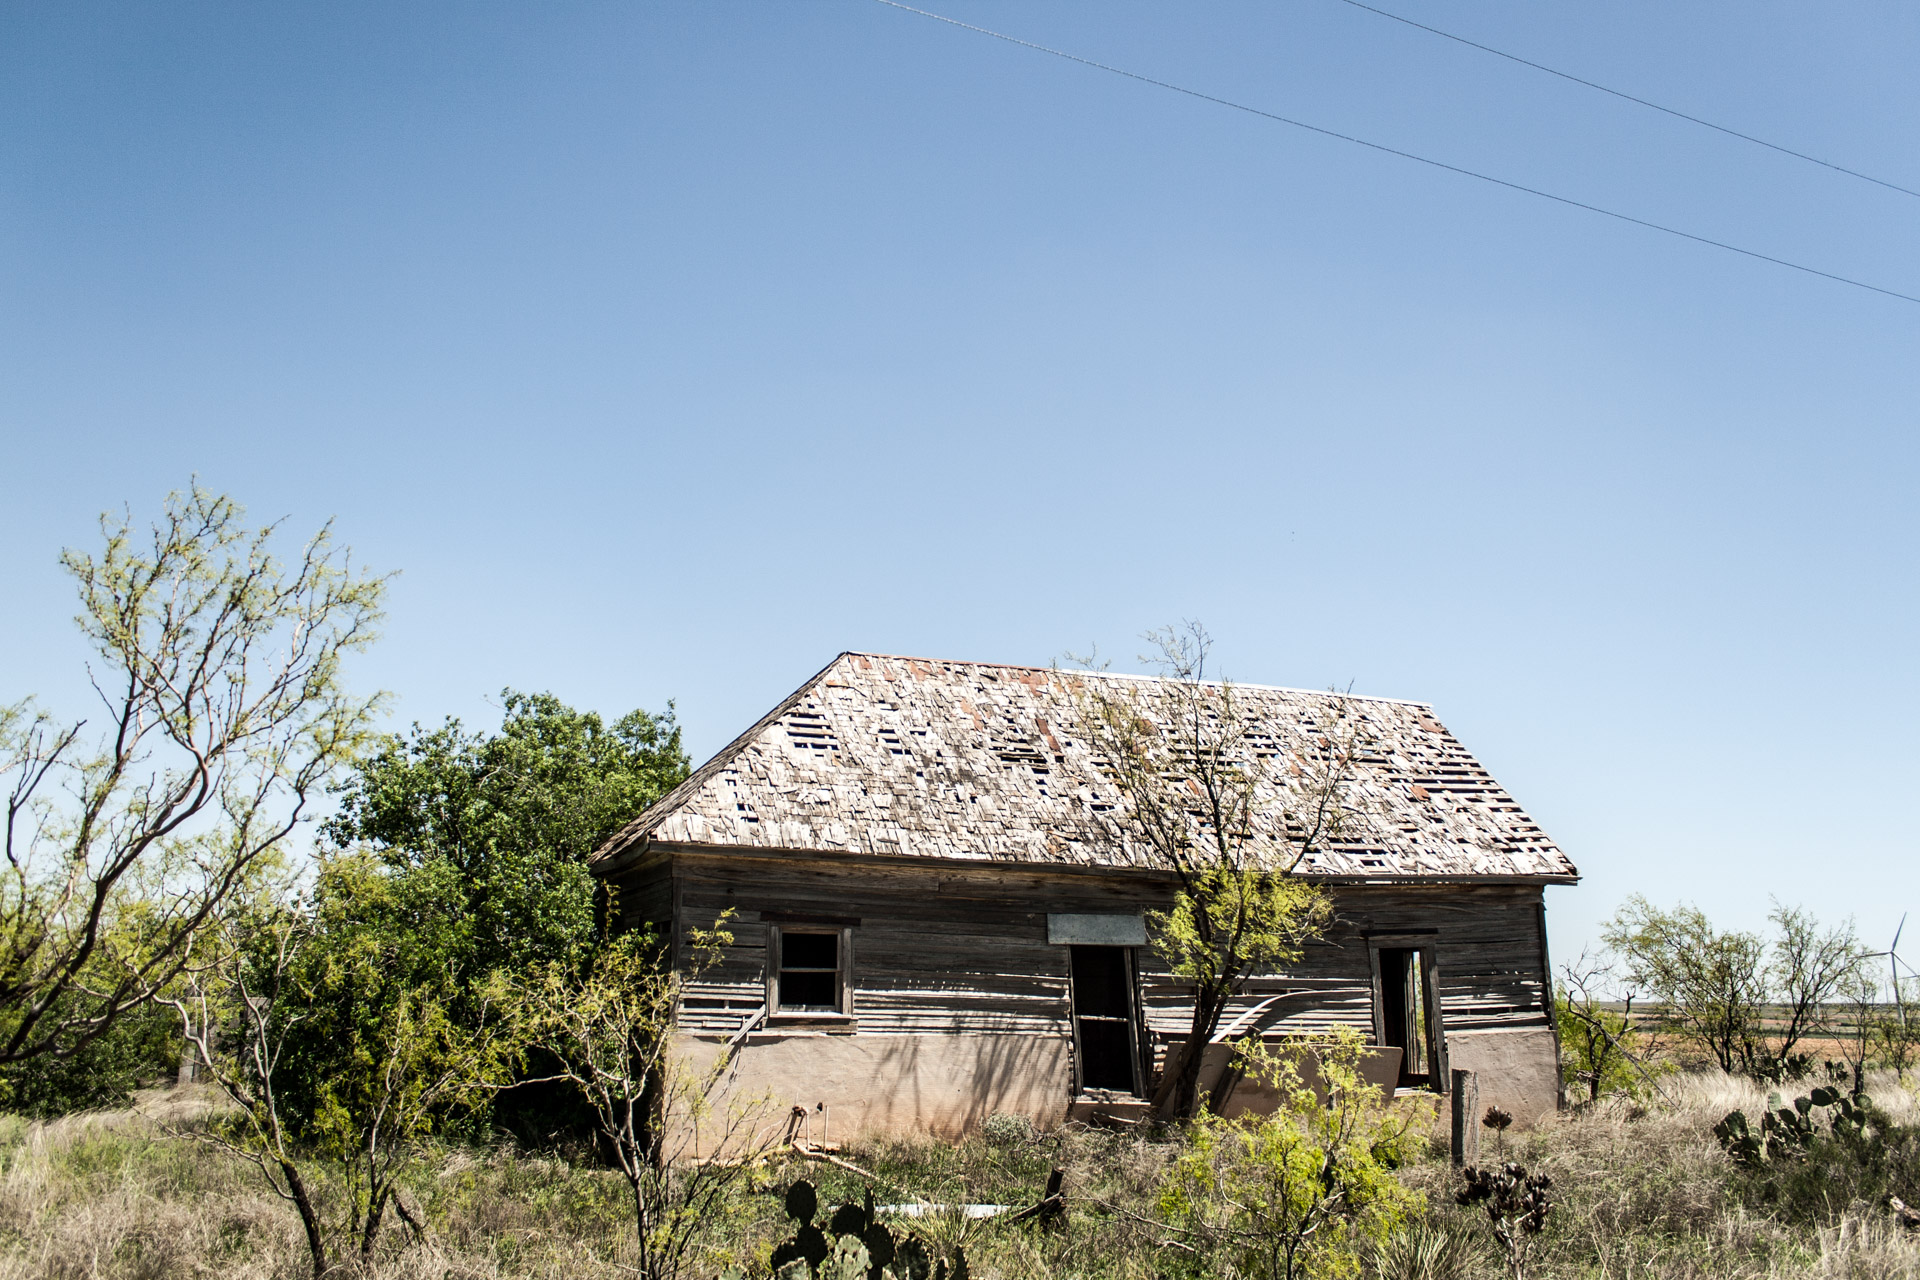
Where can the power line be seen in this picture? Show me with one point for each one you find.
(1628, 97)
(1404, 155)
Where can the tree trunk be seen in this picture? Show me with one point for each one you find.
(309, 1217)
(376, 1210)
(641, 1224)
(1207, 1006)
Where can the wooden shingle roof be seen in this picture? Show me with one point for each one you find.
(913, 757)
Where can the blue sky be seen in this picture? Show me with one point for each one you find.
(668, 350)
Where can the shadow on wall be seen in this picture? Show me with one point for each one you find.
(959, 1080)
(942, 1083)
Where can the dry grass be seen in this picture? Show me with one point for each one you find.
(1641, 1196)
(1644, 1194)
(113, 1197)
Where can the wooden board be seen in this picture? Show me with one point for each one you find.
(965, 949)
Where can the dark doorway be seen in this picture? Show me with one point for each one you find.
(1403, 1008)
(1103, 1016)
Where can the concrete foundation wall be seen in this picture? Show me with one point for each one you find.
(1517, 1069)
(897, 1084)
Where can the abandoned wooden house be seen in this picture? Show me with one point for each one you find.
(931, 924)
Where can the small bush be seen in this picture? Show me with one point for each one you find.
(1300, 1192)
(1007, 1129)
(1425, 1251)
(139, 1048)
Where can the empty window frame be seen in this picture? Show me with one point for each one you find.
(1406, 1008)
(808, 969)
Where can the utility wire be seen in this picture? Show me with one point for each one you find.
(1404, 155)
(1678, 115)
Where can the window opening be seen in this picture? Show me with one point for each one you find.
(1103, 1016)
(810, 971)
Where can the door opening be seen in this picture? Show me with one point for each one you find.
(1103, 1017)
(1403, 1001)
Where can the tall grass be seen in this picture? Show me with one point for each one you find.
(1642, 1194)
(1645, 1193)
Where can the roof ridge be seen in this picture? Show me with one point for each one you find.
(1129, 675)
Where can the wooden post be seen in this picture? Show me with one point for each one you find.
(1466, 1115)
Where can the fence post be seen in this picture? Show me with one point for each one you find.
(1466, 1110)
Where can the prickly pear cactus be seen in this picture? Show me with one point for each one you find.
(1786, 1133)
(853, 1244)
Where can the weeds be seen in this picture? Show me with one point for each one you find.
(1638, 1195)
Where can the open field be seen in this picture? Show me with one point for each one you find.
(1640, 1194)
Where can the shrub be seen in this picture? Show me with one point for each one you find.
(1517, 1205)
(1296, 1193)
(1007, 1129)
(1424, 1251)
(137, 1049)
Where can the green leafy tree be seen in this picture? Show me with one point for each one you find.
(140, 1047)
(1810, 972)
(1710, 984)
(1718, 987)
(1297, 1192)
(508, 819)
(1230, 803)
(487, 836)
(219, 671)
(1602, 1051)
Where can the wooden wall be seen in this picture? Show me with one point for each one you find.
(941, 948)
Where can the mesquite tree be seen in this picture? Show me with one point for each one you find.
(325, 1021)
(218, 668)
(664, 1117)
(1748, 1001)
(1230, 802)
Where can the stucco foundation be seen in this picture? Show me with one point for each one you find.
(948, 1084)
(1518, 1070)
(945, 1084)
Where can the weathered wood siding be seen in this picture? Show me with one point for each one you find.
(947, 949)
(645, 896)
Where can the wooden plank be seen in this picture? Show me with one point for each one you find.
(966, 948)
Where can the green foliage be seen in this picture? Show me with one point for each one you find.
(223, 712)
(1229, 802)
(1713, 984)
(1597, 1047)
(1829, 1151)
(1895, 1037)
(486, 837)
(1008, 1129)
(509, 819)
(1230, 922)
(1424, 1251)
(608, 1029)
(372, 970)
(1296, 1193)
(139, 1047)
(327, 1022)
(1716, 986)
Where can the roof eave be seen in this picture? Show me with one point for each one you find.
(650, 850)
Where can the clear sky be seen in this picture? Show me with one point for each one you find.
(670, 349)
